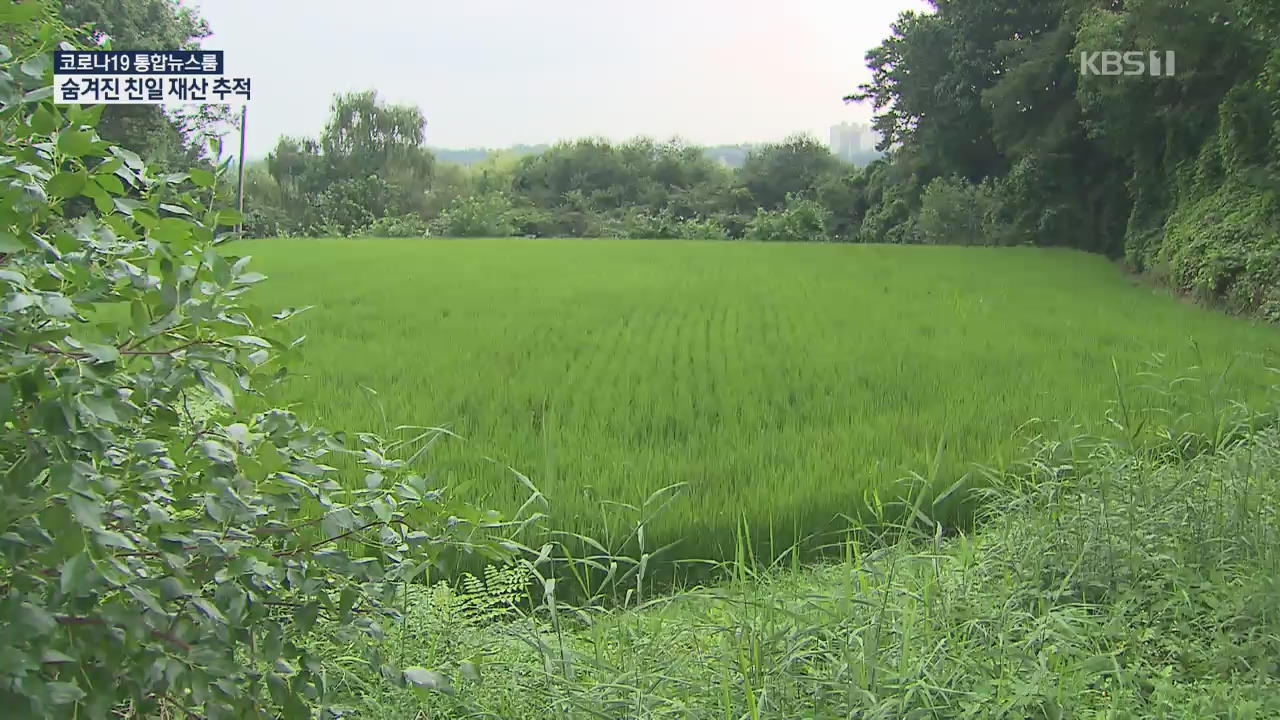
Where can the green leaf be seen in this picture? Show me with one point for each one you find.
(126, 205)
(55, 657)
(347, 601)
(66, 184)
(41, 93)
(19, 301)
(103, 353)
(5, 53)
(85, 116)
(305, 617)
(6, 401)
(171, 230)
(110, 538)
(36, 66)
(121, 227)
(146, 218)
(9, 243)
(149, 448)
(101, 408)
(424, 679)
(202, 178)
(76, 143)
(86, 512)
(110, 183)
(217, 452)
(64, 693)
(209, 609)
(250, 340)
(228, 218)
(220, 391)
(139, 315)
(44, 120)
(57, 305)
(75, 575)
(129, 157)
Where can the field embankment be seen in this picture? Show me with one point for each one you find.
(1124, 584)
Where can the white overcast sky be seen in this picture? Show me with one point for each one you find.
(493, 73)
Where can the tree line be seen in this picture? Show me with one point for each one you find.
(382, 181)
(1000, 134)
(994, 133)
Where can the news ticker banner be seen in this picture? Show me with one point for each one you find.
(152, 77)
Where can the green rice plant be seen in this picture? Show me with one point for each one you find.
(782, 385)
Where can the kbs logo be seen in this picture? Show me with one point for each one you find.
(1112, 62)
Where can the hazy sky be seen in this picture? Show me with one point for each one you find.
(498, 72)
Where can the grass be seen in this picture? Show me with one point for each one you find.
(771, 387)
(1119, 584)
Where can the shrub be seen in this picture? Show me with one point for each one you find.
(890, 221)
(801, 220)
(157, 560)
(701, 229)
(1223, 247)
(399, 226)
(954, 212)
(487, 215)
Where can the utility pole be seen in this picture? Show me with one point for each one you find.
(244, 113)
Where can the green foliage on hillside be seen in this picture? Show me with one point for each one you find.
(1180, 175)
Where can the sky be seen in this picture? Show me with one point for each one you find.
(493, 73)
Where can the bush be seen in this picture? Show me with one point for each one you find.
(954, 212)
(487, 215)
(801, 220)
(157, 560)
(1226, 247)
(890, 221)
(400, 226)
(638, 223)
(535, 221)
(701, 229)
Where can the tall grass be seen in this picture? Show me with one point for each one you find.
(1108, 579)
(772, 387)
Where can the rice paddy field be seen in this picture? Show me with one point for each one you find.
(777, 385)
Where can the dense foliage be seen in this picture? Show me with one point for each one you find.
(162, 550)
(169, 140)
(1106, 583)
(994, 133)
(585, 188)
(997, 132)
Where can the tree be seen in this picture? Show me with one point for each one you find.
(167, 141)
(164, 551)
(367, 137)
(369, 163)
(1176, 173)
(793, 167)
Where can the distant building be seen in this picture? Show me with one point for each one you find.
(852, 141)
